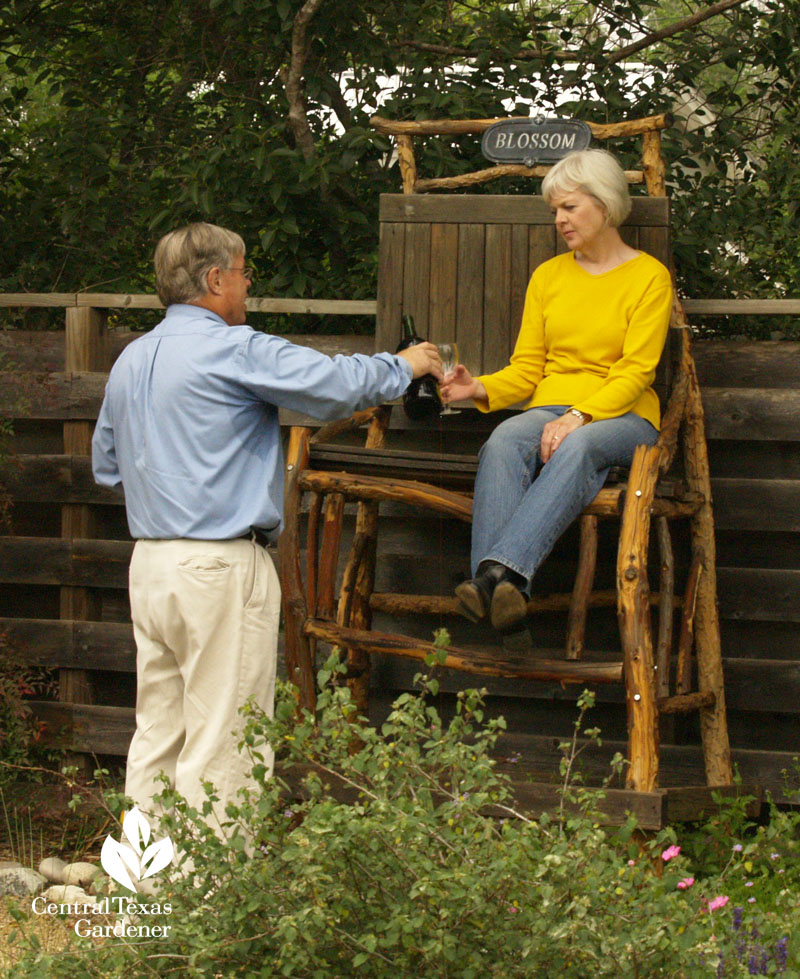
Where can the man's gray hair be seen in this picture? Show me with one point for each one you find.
(595, 172)
(183, 259)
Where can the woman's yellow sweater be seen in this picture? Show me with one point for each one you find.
(589, 341)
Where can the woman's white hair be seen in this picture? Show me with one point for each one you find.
(183, 259)
(595, 172)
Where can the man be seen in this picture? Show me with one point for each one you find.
(189, 430)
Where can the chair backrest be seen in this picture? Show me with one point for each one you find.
(460, 265)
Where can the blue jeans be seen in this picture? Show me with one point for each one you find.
(521, 506)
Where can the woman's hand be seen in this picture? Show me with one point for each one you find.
(555, 432)
(460, 385)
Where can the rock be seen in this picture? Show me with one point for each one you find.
(80, 874)
(20, 881)
(9, 865)
(67, 894)
(53, 869)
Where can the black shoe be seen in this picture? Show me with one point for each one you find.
(509, 606)
(475, 596)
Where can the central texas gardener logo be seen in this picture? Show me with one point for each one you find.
(129, 864)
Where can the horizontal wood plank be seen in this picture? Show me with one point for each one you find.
(771, 505)
(758, 414)
(67, 644)
(78, 563)
(115, 300)
(679, 765)
(742, 307)
(765, 594)
(499, 209)
(751, 685)
(25, 299)
(57, 479)
(739, 504)
(89, 728)
(756, 364)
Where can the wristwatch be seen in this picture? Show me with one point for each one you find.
(580, 414)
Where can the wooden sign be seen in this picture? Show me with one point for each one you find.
(536, 140)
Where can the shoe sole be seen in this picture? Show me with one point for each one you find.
(509, 607)
(470, 602)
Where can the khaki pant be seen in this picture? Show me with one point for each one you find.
(205, 618)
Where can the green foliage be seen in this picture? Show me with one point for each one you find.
(401, 853)
(120, 121)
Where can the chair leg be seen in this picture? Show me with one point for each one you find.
(633, 608)
(582, 590)
(356, 610)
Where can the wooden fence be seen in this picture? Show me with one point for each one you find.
(63, 565)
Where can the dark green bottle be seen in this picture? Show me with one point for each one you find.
(421, 400)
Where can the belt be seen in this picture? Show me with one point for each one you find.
(258, 535)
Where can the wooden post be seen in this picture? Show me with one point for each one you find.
(86, 350)
(653, 164)
(666, 612)
(299, 656)
(634, 620)
(408, 165)
(708, 646)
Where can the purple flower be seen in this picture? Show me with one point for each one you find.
(751, 900)
(774, 856)
(737, 918)
(782, 954)
(748, 883)
(756, 965)
(737, 847)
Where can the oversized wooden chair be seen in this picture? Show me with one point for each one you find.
(460, 264)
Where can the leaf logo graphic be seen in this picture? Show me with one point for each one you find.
(128, 864)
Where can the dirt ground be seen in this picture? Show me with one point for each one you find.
(36, 821)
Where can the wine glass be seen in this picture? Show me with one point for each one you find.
(449, 354)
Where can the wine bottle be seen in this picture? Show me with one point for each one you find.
(421, 399)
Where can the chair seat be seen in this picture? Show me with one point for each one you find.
(444, 471)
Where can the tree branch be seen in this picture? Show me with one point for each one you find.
(613, 57)
(676, 28)
(293, 79)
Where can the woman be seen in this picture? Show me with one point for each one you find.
(593, 328)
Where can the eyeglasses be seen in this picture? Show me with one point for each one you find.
(248, 272)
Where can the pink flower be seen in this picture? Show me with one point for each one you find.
(670, 852)
(631, 863)
(718, 902)
(682, 885)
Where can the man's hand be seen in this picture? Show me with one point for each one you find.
(460, 385)
(424, 359)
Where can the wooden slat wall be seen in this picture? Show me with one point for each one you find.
(753, 414)
(468, 259)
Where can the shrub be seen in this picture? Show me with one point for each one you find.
(398, 852)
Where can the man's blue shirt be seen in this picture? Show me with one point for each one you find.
(189, 424)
